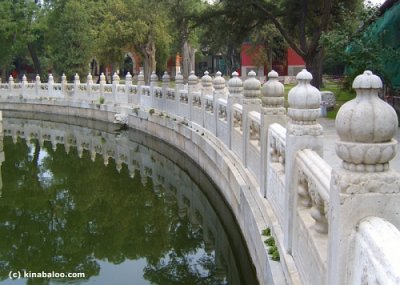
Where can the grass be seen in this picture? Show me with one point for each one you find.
(342, 95)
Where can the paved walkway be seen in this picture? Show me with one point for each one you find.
(331, 137)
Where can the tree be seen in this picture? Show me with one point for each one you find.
(141, 25)
(300, 23)
(186, 33)
(70, 36)
(18, 32)
(7, 28)
(227, 43)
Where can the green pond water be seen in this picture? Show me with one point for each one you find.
(120, 207)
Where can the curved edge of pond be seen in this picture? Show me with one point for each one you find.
(238, 188)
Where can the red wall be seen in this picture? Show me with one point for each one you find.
(294, 58)
(247, 53)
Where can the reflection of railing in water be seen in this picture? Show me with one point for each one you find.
(131, 149)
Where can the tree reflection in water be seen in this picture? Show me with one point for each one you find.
(62, 213)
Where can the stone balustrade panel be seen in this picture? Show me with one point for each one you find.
(310, 224)
(209, 114)
(197, 109)
(222, 120)
(275, 191)
(376, 259)
(183, 104)
(254, 147)
(237, 130)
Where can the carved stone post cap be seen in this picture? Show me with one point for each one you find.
(251, 86)
(153, 77)
(128, 76)
(37, 78)
(115, 77)
(366, 126)
(304, 95)
(179, 78)
(165, 77)
(235, 84)
(141, 75)
(206, 80)
(89, 77)
(273, 74)
(76, 77)
(102, 77)
(367, 80)
(304, 75)
(193, 79)
(11, 78)
(219, 81)
(24, 79)
(51, 78)
(63, 77)
(273, 88)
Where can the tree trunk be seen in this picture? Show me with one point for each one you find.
(3, 74)
(192, 52)
(269, 55)
(149, 60)
(314, 65)
(35, 59)
(185, 60)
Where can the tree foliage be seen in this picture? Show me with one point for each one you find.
(186, 35)
(300, 23)
(139, 25)
(353, 45)
(19, 30)
(69, 39)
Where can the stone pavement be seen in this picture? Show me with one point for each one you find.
(331, 137)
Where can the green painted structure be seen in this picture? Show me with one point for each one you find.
(386, 30)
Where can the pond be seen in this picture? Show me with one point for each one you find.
(83, 202)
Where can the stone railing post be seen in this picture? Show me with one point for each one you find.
(37, 85)
(272, 111)
(165, 86)
(140, 85)
(115, 83)
(364, 186)
(193, 84)
(102, 86)
(128, 86)
(219, 92)
(64, 85)
(303, 132)
(178, 86)
(219, 86)
(50, 85)
(77, 82)
(23, 85)
(89, 84)
(11, 85)
(206, 89)
(153, 83)
(235, 87)
(250, 102)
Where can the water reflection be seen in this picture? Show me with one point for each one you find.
(92, 200)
